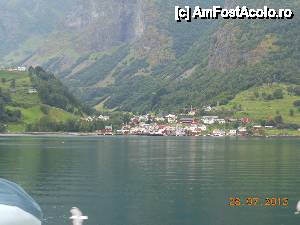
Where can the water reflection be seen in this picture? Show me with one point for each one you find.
(153, 181)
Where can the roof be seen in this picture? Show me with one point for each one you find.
(187, 119)
(13, 195)
(210, 117)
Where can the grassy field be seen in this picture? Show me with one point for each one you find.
(284, 132)
(23, 84)
(251, 104)
(28, 104)
(34, 114)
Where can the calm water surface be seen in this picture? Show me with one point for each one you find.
(153, 180)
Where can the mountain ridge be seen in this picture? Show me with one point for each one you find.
(142, 60)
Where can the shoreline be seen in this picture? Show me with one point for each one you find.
(78, 134)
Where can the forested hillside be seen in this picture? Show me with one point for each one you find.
(224, 59)
(141, 60)
(52, 92)
(27, 100)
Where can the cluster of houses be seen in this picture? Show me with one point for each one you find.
(96, 118)
(32, 91)
(172, 125)
(181, 125)
(14, 69)
(29, 91)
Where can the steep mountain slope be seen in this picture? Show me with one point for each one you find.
(131, 66)
(88, 40)
(131, 55)
(225, 59)
(58, 37)
(25, 24)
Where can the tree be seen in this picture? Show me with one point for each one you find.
(278, 119)
(3, 80)
(278, 94)
(256, 94)
(44, 109)
(297, 103)
(292, 113)
(270, 97)
(297, 90)
(2, 128)
(52, 92)
(13, 83)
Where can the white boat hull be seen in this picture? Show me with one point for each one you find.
(16, 206)
(11, 215)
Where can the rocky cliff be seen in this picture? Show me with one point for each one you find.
(67, 31)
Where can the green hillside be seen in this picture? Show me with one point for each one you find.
(258, 103)
(31, 109)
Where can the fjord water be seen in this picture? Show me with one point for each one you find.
(155, 180)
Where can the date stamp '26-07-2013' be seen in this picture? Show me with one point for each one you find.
(257, 202)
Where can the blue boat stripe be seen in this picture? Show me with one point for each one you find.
(13, 195)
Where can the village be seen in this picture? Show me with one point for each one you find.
(191, 123)
(182, 125)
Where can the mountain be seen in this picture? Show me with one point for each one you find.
(26, 24)
(131, 55)
(68, 31)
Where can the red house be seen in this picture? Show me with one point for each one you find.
(246, 120)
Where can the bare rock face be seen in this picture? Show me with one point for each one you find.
(223, 54)
(20, 20)
(92, 26)
(103, 24)
(67, 30)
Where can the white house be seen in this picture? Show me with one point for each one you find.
(257, 127)
(159, 119)
(219, 133)
(242, 129)
(103, 118)
(202, 127)
(21, 68)
(232, 133)
(171, 118)
(32, 91)
(88, 119)
(143, 118)
(269, 127)
(220, 121)
(209, 119)
(207, 108)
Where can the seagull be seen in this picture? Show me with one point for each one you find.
(77, 216)
(298, 208)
